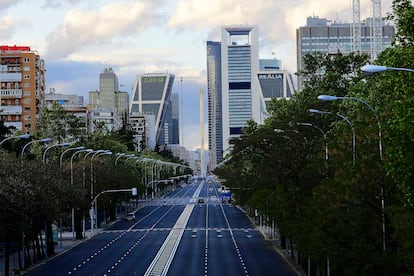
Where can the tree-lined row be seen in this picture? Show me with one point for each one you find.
(353, 207)
(41, 182)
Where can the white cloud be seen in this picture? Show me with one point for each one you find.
(59, 3)
(79, 38)
(81, 28)
(4, 4)
(192, 137)
(8, 26)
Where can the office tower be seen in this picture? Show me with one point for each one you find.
(22, 78)
(270, 64)
(274, 83)
(214, 105)
(240, 89)
(109, 100)
(151, 93)
(323, 36)
(170, 133)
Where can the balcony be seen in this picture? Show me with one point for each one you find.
(11, 93)
(17, 125)
(11, 110)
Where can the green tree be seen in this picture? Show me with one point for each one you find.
(58, 124)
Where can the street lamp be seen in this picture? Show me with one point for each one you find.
(380, 148)
(371, 69)
(278, 130)
(316, 111)
(63, 153)
(329, 98)
(323, 134)
(120, 155)
(153, 171)
(52, 146)
(23, 136)
(45, 140)
(95, 153)
(71, 182)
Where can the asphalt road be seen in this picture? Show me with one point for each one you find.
(175, 236)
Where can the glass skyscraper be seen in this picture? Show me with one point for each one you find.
(240, 89)
(150, 95)
(233, 89)
(215, 126)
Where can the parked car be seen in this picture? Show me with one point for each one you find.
(129, 217)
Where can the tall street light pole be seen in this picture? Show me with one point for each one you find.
(23, 136)
(316, 111)
(329, 98)
(120, 155)
(45, 140)
(380, 149)
(52, 146)
(44, 162)
(371, 69)
(292, 130)
(63, 153)
(323, 134)
(94, 208)
(71, 182)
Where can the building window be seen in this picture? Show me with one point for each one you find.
(26, 77)
(26, 84)
(26, 101)
(26, 68)
(26, 59)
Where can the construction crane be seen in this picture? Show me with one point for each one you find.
(356, 26)
(376, 42)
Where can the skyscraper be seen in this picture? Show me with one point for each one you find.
(151, 93)
(170, 133)
(274, 82)
(323, 36)
(23, 85)
(214, 104)
(240, 88)
(109, 100)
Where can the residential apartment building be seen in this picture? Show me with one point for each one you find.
(73, 104)
(109, 100)
(106, 120)
(150, 97)
(23, 85)
(327, 37)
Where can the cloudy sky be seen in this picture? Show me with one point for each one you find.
(78, 38)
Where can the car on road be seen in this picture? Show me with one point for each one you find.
(200, 200)
(129, 217)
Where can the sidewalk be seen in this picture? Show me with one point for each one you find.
(65, 242)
